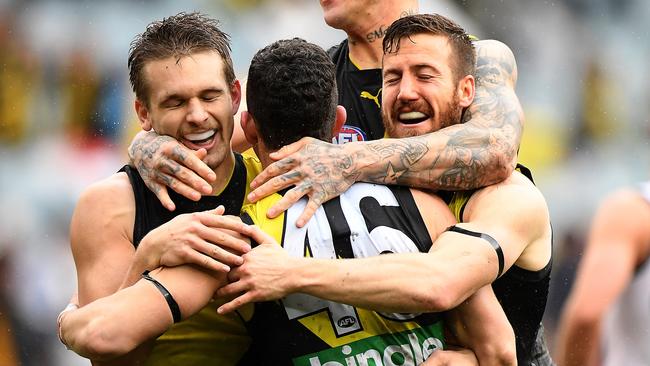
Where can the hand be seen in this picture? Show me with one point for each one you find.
(263, 276)
(164, 162)
(458, 357)
(203, 238)
(318, 169)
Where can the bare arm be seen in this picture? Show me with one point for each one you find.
(102, 246)
(99, 330)
(480, 324)
(479, 152)
(197, 238)
(618, 241)
(434, 283)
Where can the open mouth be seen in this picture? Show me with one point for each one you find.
(200, 138)
(411, 118)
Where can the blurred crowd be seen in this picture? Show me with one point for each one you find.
(66, 117)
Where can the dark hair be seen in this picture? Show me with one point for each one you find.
(291, 92)
(177, 36)
(463, 55)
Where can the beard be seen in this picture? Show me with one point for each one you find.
(449, 115)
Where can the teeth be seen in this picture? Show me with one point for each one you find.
(412, 115)
(199, 136)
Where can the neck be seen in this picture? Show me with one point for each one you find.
(366, 37)
(224, 173)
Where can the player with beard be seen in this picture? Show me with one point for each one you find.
(503, 236)
(298, 330)
(479, 152)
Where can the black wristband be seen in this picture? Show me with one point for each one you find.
(173, 305)
(486, 237)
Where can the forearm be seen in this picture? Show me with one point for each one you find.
(109, 327)
(391, 283)
(480, 151)
(578, 343)
(457, 158)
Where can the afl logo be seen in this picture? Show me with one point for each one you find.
(349, 134)
(346, 321)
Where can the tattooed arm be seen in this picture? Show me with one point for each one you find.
(479, 152)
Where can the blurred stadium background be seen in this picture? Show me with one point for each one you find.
(66, 117)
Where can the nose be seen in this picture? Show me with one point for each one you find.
(196, 112)
(407, 89)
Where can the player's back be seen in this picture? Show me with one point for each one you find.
(368, 220)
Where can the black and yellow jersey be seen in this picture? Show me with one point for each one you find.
(205, 338)
(522, 293)
(360, 94)
(367, 220)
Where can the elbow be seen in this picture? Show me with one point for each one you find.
(438, 298)
(96, 342)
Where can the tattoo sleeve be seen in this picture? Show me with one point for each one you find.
(480, 151)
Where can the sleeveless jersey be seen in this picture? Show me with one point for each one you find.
(522, 293)
(626, 335)
(360, 94)
(300, 329)
(205, 338)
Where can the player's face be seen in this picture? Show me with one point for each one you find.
(420, 92)
(190, 100)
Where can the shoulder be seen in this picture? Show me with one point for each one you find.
(624, 215)
(517, 197)
(104, 208)
(434, 211)
(112, 191)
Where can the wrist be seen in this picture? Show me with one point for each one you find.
(362, 160)
(297, 275)
(143, 260)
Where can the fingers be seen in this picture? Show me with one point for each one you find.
(224, 241)
(221, 222)
(208, 262)
(163, 196)
(273, 171)
(178, 186)
(274, 185)
(184, 177)
(292, 196)
(235, 304)
(220, 210)
(308, 212)
(259, 236)
(195, 163)
(290, 149)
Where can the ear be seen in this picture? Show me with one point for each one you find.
(466, 90)
(143, 115)
(341, 116)
(248, 125)
(235, 96)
